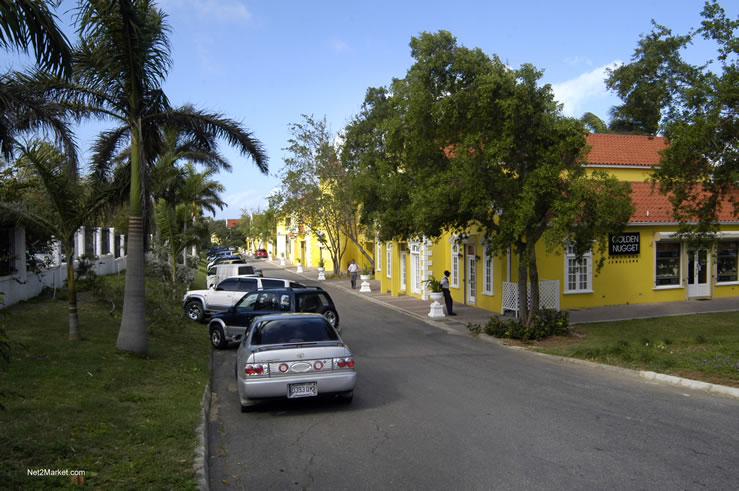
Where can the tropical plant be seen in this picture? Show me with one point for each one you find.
(120, 66)
(64, 205)
(24, 25)
(433, 284)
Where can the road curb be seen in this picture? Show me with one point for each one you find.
(200, 462)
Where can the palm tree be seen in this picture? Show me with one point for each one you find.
(24, 25)
(190, 192)
(68, 204)
(122, 61)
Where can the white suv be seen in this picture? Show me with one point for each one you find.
(199, 304)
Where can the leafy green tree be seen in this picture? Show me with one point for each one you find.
(464, 140)
(120, 65)
(695, 107)
(317, 188)
(57, 203)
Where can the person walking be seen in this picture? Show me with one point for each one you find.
(353, 269)
(447, 294)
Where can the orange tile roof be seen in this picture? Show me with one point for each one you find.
(627, 150)
(232, 222)
(651, 206)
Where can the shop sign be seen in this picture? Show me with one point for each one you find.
(623, 244)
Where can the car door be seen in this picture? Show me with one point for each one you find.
(247, 285)
(223, 296)
(253, 305)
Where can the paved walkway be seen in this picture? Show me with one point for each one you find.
(467, 313)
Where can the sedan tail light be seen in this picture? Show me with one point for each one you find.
(256, 369)
(346, 363)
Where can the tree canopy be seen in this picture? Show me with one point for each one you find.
(464, 140)
(695, 107)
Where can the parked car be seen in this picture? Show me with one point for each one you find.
(220, 272)
(229, 325)
(261, 253)
(292, 356)
(200, 304)
(230, 259)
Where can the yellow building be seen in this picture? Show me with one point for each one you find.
(299, 243)
(647, 263)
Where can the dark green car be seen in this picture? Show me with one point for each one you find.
(231, 325)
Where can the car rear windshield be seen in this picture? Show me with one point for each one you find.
(285, 331)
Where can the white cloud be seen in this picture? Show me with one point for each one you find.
(250, 200)
(340, 46)
(582, 94)
(224, 10)
(221, 10)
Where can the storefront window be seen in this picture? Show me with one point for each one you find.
(727, 261)
(578, 273)
(667, 264)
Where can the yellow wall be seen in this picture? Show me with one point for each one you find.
(622, 280)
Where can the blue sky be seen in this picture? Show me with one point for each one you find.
(265, 63)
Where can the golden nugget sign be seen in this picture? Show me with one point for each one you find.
(623, 244)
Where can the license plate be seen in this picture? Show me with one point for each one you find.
(309, 389)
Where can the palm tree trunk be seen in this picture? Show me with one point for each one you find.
(132, 333)
(74, 318)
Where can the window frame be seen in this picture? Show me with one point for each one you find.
(454, 283)
(378, 256)
(488, 272)
(678, 258)
(569, 259)
(720, 257)
(388, 259)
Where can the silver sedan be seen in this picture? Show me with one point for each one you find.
(293, 356)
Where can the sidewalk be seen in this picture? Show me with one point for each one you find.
(466, 313)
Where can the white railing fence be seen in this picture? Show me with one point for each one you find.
(548, 296)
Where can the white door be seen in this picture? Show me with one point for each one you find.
(403, 277)
(471, 275)
(699, 267)
(415, 269)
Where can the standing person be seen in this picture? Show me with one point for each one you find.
(447, 294)
(353, 270)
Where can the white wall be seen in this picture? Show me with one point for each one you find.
(23, 285)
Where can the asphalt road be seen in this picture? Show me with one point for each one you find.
(434, 410)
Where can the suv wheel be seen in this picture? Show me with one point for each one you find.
(194, 311)
(217, 339)
(330, 316)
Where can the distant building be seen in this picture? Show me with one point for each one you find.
(232, 222)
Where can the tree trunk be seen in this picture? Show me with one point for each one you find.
(74, 318)
(523, 296)
(132, 333)
(534, 278)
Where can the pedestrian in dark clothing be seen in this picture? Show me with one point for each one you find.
(447, 294)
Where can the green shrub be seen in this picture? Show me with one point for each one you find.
(546, 323)
(474, 328)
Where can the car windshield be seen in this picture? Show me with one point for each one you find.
(300, 330)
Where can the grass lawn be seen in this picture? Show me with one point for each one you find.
(85, 406)
(700, 347)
